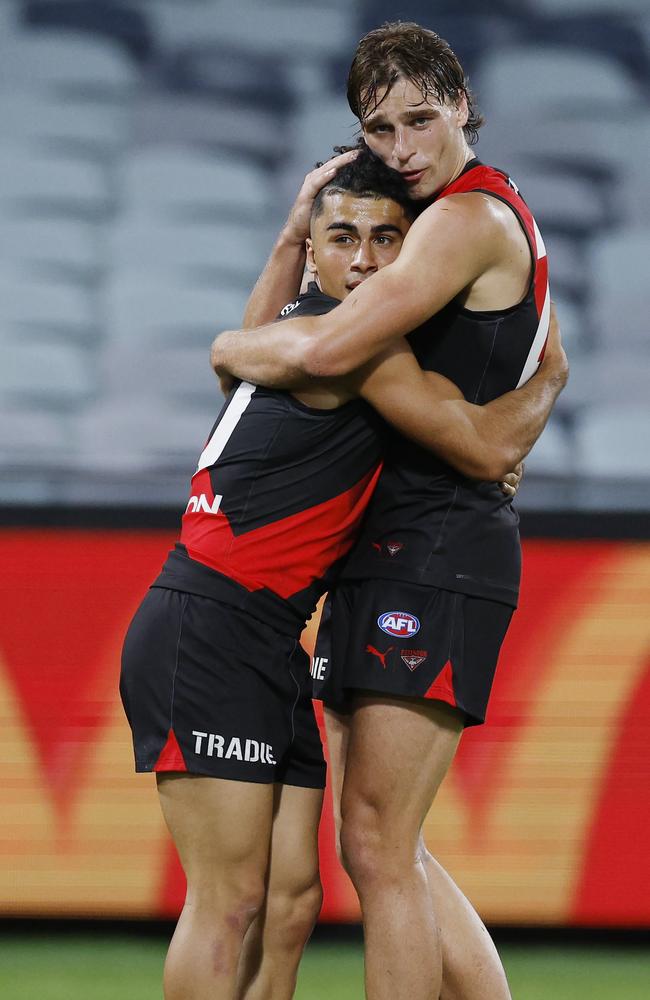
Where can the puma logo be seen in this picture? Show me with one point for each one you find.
(380, 656)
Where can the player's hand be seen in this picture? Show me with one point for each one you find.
(296, 229)
(510, 484)
(226, 380)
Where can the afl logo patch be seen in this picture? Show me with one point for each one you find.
(400, 624)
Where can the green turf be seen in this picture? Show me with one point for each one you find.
(90, 968)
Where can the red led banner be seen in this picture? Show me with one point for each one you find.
(543, 818)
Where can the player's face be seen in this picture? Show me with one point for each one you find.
(353, 238)
(419, 136)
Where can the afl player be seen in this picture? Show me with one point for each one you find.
(430, 587)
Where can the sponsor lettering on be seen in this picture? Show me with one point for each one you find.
(201, 504)
(251, 751)
(319, 667)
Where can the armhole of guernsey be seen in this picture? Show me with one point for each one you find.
(538, 285)
(224, 429)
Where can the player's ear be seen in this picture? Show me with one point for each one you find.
(311, 260)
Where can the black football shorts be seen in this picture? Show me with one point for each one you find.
(408, 640)
(210, 690)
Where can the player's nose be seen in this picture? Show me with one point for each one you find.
(364, 259)
(402, 149)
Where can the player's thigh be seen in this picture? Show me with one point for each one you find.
(337, 728)
(294, 839)
(399, 751)
(220, 827)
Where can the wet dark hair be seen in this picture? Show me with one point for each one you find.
(367, 177)
(405, 49)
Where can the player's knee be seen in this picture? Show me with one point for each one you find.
(371, 851)
(292, 912)
(237, 893)
(360, 848)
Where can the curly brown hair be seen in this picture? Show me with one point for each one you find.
(406, 49)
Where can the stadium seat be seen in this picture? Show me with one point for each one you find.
(34, 439)
(591, 6)
(216, 127)
(59, 376)
(68, 65)
(278, 27)
(606, 375)
(192, 252)
(531, 82)
(326, 123)
(573, 323)
(68, 128)
(620, 289)
(551, 454)
(38, 306)
(161, 374)
(175, 182)
(569, 142)
(565, 202)
(137, 439)
(10, 13)
(63, 247)
(163, 313)
(176, 22)
(51, 184)
(603, 31)
(608, 441)
(632, 195)
(281, 28)
(228, 73)
(568, 269)
(119, 22)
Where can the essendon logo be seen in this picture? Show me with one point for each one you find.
(413, 657)
(201, 503)
(401, 624)
(394, 547)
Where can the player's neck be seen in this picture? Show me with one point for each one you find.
(464, 157)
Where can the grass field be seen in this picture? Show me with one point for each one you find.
(91, 968)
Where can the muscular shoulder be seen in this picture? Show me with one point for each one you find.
(474, 212)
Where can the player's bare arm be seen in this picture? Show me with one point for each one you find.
(483, 442)
(463, 246)
(280, 280)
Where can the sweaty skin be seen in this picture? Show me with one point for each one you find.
(353, 243)
(448, 952)
(469, 246)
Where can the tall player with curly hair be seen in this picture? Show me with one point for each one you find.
(433, 580)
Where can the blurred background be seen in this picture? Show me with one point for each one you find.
(150, 152)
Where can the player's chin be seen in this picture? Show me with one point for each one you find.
(421, 192)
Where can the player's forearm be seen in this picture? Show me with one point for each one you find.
(514, 422)
(430, 410)
(278, 283)
(482, 442)
(271, 355)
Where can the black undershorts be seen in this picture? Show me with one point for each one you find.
(409, 640)
(210, 690)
